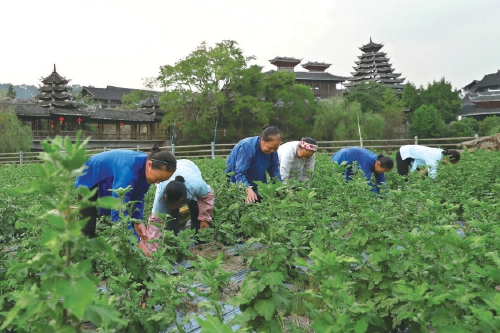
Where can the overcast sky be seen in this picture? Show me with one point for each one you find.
(119, 42)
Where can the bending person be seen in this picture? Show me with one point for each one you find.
(251, 158)
(415, 156)
(366, 161)
(297, 159)
(185, 187)
(118, 169)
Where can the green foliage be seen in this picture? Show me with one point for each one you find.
(427, 123)
(64, 296)
(196, 87)
(368, 95)
(294, 105)
(337, 120)
(131, 100)
(392, 110)
(441, 95)
(11, 93)
(411, 96)
(489, 126)
(464, 127)
(423, 258)
(13, 135)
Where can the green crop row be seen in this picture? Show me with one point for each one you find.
(423, 257)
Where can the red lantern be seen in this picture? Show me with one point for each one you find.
(121, 124)
(61, 119)
(52, 123)
(79, 120)
(97, 126)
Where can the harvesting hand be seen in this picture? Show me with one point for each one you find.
(251, 196)
(141, 231)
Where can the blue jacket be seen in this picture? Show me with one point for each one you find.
(250, 164)
(114, 169)
(365, 160)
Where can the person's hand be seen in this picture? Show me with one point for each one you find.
(142, 245)
(204, 225)
(251, 196)
(141, 231)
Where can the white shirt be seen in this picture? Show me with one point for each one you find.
(424, 156)
(291, 166)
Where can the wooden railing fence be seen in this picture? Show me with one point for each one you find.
(212, 150)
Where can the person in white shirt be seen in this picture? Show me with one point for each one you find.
(415, 156)
(297, 159)
(186, 186)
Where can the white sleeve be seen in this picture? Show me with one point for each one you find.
(286, 162)
(308, 166)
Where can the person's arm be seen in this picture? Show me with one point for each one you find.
(308, 168)
(241, 165)
(274, 168)
(432, 168)
(380, 180)
(286, 162)
(205, 208)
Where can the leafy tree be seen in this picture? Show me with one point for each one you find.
(369, 95)
(11, 93)
(194, 93)
(427, 122)
(338, 120)
(392, 111)
(13, 135)
(294, 105)
(489, 126)
(246, 110)
(130, 101)
(464, 127)
(411, 96)
(3, 94)
(441, 96)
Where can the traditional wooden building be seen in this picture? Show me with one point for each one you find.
(321, 83)
(55, 112)
(482, 98)
(110, 96)
(374, 65)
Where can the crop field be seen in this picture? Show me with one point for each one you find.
(328, 257)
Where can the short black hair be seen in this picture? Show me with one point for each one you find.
(175, 191)
(385, 161)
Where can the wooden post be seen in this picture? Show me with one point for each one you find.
(416, 140)
(213, 149)
(21, 157)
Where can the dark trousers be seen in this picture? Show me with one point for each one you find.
(403, 165)
(91, 213)
(173, 223)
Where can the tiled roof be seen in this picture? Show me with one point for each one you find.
(110, 93)
(318, 76)
(489, 80)
(474, 110)
(33, 110)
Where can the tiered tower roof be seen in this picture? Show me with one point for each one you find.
(55, 93)
(285, 63)
(316, 66)
(374, 65)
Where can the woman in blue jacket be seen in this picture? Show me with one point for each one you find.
(252, 157)
(121, 168)
(367, 162)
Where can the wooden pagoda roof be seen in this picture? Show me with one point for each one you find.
(318, 76)
(54, 78)
(285, 62)
(371, 46)
(316, 66)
